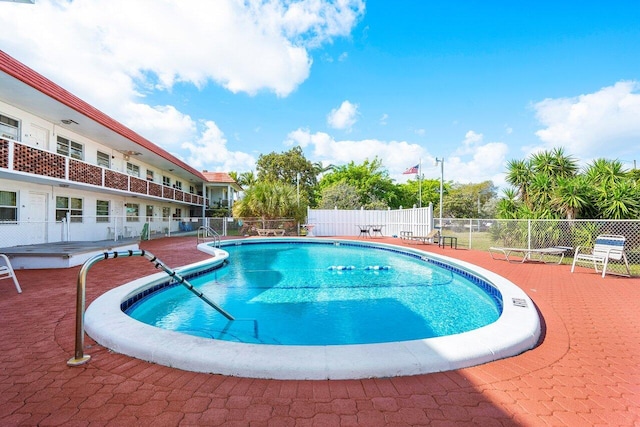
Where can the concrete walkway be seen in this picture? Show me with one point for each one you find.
(586, 370)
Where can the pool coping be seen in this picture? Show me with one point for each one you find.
(516, 330)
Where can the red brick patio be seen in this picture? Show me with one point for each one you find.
(586, 370)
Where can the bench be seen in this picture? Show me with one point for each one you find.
(270, 231)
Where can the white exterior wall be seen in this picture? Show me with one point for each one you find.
(37, 224)
(30, 126)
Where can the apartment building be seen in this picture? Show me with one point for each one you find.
(70, 172)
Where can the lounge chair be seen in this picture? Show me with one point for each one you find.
(6, 272)
(523, 254)
(271, 231)
(607, 247)
(432, 237)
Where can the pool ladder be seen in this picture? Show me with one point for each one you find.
(79, 357)
(206, 233)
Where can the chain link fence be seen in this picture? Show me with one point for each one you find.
(478, 234)
(481, 234)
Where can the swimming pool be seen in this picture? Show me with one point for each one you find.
(516, 330)
(324, 293)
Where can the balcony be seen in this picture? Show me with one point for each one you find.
(18, 157)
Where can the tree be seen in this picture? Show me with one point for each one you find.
(371, 180)
(286, 168)
(550, 185)
(339, 195)
(468, 200)
(429, 189)
(571, 197)
(246, 179)
(270, 200)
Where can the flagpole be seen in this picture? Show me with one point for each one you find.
(420, 184)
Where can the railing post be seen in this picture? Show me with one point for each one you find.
(79, 357)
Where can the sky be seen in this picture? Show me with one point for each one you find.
(476, 83)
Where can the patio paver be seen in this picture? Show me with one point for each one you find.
(586, 370)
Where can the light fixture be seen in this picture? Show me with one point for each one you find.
(130, 153)
(69, 122)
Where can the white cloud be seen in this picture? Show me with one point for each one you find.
(343, 117)
(113, 53)
(470, 143)
(601, 124)
(476, 163)
(395, 155)
(383, 119)
(210, 152)
(164, 125)
(486, 162)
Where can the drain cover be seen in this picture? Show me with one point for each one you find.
(519, 302)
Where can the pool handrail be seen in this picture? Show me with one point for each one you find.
(79, 357)
(205, 232)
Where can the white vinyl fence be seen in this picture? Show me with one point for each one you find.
(334, 222)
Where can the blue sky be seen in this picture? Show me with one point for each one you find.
(477, 83)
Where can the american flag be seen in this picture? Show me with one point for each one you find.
(412, 169)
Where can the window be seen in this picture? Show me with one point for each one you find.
(150, 212)
(102, 211)
(8, 207)
(166, 213)
(9, 128)
(166, 181)
(192, 189)
(71, 205)
(178, 213)
(69, 148)
(178, 185)
(133, 169)
(133, 212)
(104, 160)
(149, 175)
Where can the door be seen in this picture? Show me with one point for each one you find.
(37, 218)
(38, 137)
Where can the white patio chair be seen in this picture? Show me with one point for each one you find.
(607, 247)
(6, 271)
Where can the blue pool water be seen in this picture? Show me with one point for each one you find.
(322, 294)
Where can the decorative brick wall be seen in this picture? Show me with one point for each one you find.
(113, 179)
(167, 192)
(38, 162)
(4, 154)
(84, 172)
(179, 195)
(138, 185)
(155, 189)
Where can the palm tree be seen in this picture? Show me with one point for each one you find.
(507, 207)
(571, 196)
(604, 173)
(540, 190)
(269, 200)
(247, 179)
(622, 202)
(519, 175)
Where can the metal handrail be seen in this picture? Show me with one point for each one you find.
(205, 232)
(79, 357)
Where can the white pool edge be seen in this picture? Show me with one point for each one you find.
(516, 330)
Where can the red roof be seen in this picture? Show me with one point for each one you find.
(219, 177)
(21, 72)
